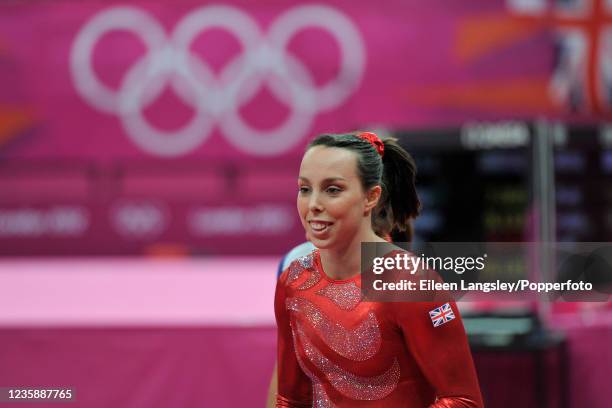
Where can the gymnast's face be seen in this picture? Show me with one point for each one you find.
(332, 204)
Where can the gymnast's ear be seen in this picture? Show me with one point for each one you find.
(372, 198)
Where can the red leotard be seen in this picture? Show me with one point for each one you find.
(335, 350)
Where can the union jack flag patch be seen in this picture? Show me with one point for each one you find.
(441, 315)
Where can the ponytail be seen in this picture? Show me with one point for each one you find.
(399, 202)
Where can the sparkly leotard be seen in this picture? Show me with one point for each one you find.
(335, 350)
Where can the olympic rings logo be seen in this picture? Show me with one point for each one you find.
(217, 99)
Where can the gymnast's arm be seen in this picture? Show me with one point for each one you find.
(294, 387)
(272, 388)
(442, 353)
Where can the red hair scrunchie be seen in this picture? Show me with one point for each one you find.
(374, 140)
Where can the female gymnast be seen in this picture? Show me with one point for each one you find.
(334, 348)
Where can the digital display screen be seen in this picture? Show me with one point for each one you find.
(473, 182)
(583, 186)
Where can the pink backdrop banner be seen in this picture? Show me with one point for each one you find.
(110, 111)
(153, 367)
(105, 80)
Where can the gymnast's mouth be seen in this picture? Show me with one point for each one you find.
(319, 226)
